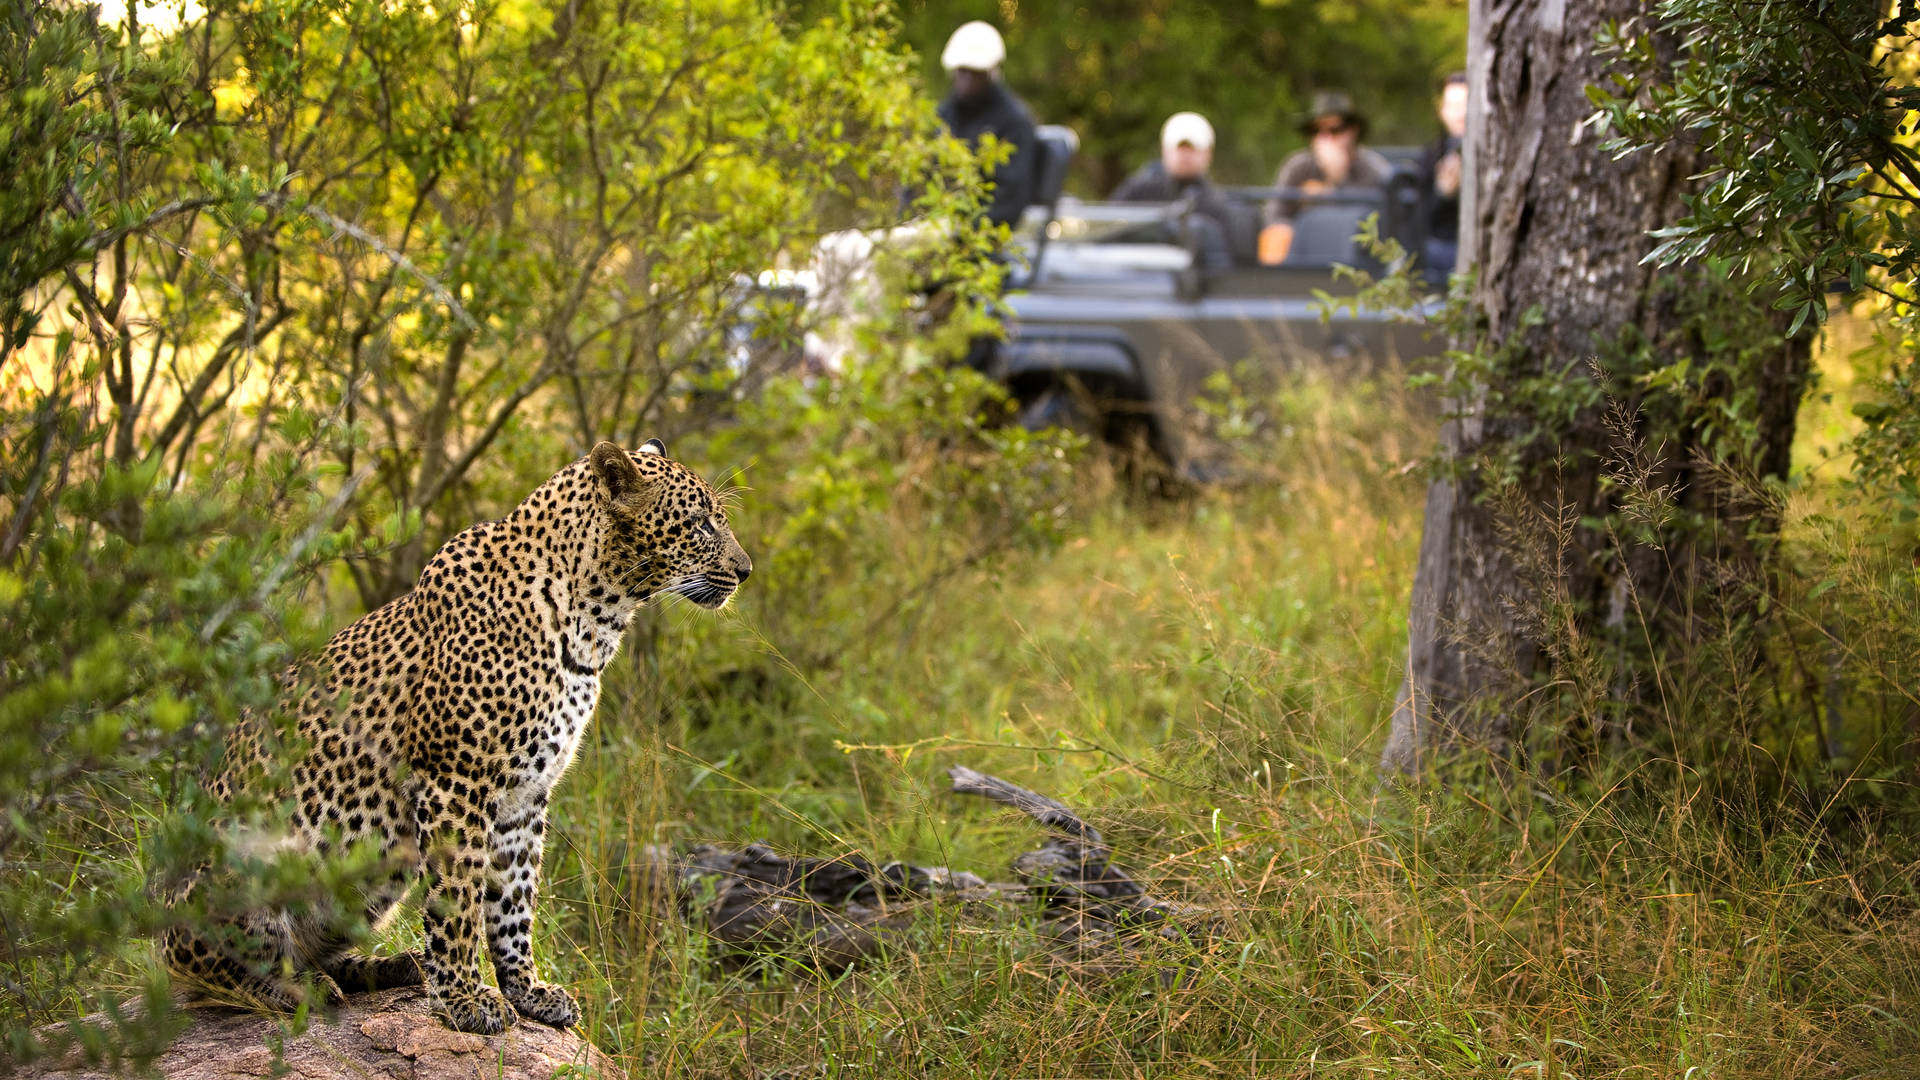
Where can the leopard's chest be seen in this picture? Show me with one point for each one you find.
(558, 733)
(572, 647)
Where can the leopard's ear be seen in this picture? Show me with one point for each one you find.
(654, 446)
(623, 482)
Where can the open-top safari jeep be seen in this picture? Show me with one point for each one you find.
(1115, 322)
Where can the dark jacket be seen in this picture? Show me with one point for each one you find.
(1151, 183)
(1443, 212)
(999, 113)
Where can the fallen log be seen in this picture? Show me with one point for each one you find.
(831, 912)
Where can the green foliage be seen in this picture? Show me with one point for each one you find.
(142, 608)
(1115, 71)
(1207, 682)
(1805, 112)
(1887, 451)
(1473, 377)
(293, 288)
(130, 656)
(487, 233)
(833, 463)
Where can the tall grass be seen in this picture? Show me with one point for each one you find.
(1209, 682)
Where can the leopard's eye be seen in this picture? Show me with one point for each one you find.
(706, 526)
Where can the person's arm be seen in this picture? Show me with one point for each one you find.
(1372, 168)
(1444, 181)
(1277, 237)
(1134, 189)
(1295, 173)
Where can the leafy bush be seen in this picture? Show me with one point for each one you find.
(1804, 114)
(292, 289)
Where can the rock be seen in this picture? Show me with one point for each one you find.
(387, 1035)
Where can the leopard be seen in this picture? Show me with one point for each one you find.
(435, 728)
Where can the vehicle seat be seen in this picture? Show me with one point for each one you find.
(1056, 145)
(1243, 232)
(1404, 217)
(1323, 235)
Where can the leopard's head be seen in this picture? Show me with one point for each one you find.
(668, 530)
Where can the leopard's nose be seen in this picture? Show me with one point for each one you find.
(746, 569)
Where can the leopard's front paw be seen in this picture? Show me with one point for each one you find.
(548, 1004)
(481, 1010)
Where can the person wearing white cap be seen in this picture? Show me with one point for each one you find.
(979, 104)
(1186, 154)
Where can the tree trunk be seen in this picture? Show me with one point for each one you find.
(1513, 561)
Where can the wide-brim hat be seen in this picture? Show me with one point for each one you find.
(1332, 103)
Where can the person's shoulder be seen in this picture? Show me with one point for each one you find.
(1150, 171)
(1376, 161)
(1300, 161)
(1142, 184)
(1009, 105)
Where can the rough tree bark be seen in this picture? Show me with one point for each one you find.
(1552, 223)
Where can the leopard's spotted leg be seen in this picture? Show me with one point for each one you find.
(513, 876)
(450, 818)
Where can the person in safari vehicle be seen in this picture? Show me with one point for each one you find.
(1334, 159)
(1186, 155)
(979, 104)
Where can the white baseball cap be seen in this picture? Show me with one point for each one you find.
(1187, 127)
(976, 46)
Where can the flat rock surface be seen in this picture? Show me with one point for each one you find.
(381, 1036)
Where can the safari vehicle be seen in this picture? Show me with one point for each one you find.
(1115, 324)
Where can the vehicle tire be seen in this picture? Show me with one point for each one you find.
(1144, 469)
(1062, 405)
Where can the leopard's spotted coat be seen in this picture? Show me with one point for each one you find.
(441, 722)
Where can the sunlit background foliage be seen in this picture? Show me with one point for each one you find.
(1114, 71)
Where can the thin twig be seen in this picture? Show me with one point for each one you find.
(279, 571)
